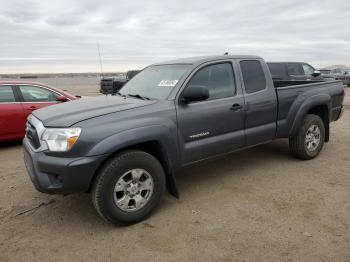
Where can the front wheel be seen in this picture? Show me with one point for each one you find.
(309, 140)
(128, 187)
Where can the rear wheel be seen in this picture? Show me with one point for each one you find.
(128, 187)
(309, 140)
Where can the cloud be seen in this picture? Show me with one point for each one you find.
(137, 33)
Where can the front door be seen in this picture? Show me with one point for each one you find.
(35, 97)
(216, 125)
(11, 114)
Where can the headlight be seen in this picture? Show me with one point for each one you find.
(61, 139)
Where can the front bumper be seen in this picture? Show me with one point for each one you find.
(56, 175)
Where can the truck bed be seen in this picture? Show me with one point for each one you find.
(292, 99)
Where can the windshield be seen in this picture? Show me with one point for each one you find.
(154, 82)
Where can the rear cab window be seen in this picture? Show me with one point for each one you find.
(253, 76)
(6, 94)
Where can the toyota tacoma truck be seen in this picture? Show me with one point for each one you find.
(127, 149)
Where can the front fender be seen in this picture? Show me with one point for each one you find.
(161, 134)
(128, 138)
(300, 108)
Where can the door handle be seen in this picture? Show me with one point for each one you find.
(236, 107)
(32, 108)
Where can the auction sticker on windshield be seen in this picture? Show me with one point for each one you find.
(171, 83)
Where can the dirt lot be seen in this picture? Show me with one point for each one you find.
(256, 205)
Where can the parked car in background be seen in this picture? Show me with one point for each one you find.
(127, 148)
(112, 85)
(343, 75)
(20, 99)
(327, 74)
(293, 71)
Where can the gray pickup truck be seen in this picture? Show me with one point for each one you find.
(127, 148)
(296, 71)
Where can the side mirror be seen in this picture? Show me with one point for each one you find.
(61, 99)
(195, 93)
(316, 73)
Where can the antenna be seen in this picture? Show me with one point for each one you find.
(99, 54)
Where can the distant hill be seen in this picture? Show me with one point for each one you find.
(337, 66)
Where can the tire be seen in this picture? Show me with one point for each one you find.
(299, 144)
(115, 185)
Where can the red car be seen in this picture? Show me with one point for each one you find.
(19, 99)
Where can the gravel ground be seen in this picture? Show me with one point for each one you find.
(256, 205)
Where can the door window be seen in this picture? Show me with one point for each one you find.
(308, 70)
(253, 76)
(294, 69)
(37, 94)
(6, 94)
(218, 78)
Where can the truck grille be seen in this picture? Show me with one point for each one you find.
(32, 135)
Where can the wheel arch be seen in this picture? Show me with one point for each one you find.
(159, 145)
(323, 112)
(317, 105)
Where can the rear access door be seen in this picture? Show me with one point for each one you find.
(260, 102)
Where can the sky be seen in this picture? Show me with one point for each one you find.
(63, 35)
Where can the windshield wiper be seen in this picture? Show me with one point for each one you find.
(139, 96)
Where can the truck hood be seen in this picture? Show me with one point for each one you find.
(70, 113)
